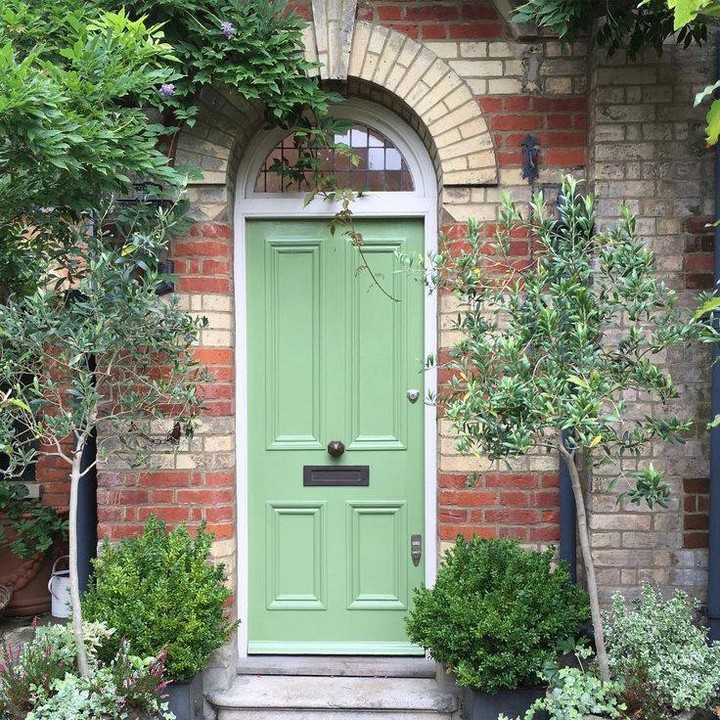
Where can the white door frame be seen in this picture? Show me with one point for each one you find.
(420, 203)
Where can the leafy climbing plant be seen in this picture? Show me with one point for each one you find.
(628, 26)
(633, 27)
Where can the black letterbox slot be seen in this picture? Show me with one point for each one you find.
(336, 475)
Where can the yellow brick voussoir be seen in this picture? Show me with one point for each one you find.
(435, 92)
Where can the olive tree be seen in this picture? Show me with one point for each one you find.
(550, 346)
(101, 348)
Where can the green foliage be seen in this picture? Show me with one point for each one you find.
(662, 657)
(159, 591)
(39, 680)
(143, 383)
(73, 82)
(575, 693)
(553, 344)
(628, 26)
(254, 47)
(77, 79)
(497, 613)
(34, 527)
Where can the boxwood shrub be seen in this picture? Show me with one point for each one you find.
(159, 590)
(497, 613)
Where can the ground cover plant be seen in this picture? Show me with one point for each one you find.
(497, 613)
(662, 657)
(41, 680)
(661, 664)
(550, 346)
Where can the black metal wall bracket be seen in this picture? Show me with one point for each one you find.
(531, 153)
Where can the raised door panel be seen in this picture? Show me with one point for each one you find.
(292, 350)
(377, 412)
(296, 557)
(377, 556)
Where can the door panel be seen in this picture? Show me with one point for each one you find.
(293, 345)
(378, 348)
(295, 564)
(331, 357)
(377, 556)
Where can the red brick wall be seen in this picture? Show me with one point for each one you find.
(53, 473)
(559, 124)
(433, 20)
(203, 261)
(500, 504)
(698, 259)
(695, 512)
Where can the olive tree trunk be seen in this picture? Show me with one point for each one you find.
(572, 458)
(75, 477)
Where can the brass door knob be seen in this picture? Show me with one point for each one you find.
(336, 448)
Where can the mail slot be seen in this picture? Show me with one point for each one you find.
(334, 476)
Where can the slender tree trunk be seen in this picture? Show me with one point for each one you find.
(74, 580)
(570, 458)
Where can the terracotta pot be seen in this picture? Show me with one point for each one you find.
(28, 579)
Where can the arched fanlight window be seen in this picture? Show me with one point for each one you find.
(381, 166)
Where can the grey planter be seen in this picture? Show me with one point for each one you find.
(185, 699)
(478, 705)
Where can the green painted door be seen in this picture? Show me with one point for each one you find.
(330, 357)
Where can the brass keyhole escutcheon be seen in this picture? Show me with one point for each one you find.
(336, 448)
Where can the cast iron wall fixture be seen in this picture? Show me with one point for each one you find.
(531, 154)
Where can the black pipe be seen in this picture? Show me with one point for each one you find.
(87, 515)
(714, 510)
(568, 521)
(87, 518)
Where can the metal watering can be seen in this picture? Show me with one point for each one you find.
(59, 587)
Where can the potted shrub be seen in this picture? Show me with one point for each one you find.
(41, 681)
(159, 591)
(496, 615)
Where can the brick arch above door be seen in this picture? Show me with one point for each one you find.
(383, 66)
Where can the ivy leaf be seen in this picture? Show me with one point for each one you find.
(709, 90)
(706, 308)
(685, 11)
(713, 123)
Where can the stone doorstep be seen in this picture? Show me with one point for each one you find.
(338, 666)
(262, 697)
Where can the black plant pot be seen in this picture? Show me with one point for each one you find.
(478, 705)
(185, 699)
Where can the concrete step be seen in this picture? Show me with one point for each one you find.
(282, 697)
(338, 666)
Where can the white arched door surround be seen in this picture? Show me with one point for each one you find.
(422, 202)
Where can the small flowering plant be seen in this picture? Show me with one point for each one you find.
(167, 90)
(39, 680)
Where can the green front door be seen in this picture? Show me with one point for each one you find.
(331, 357)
